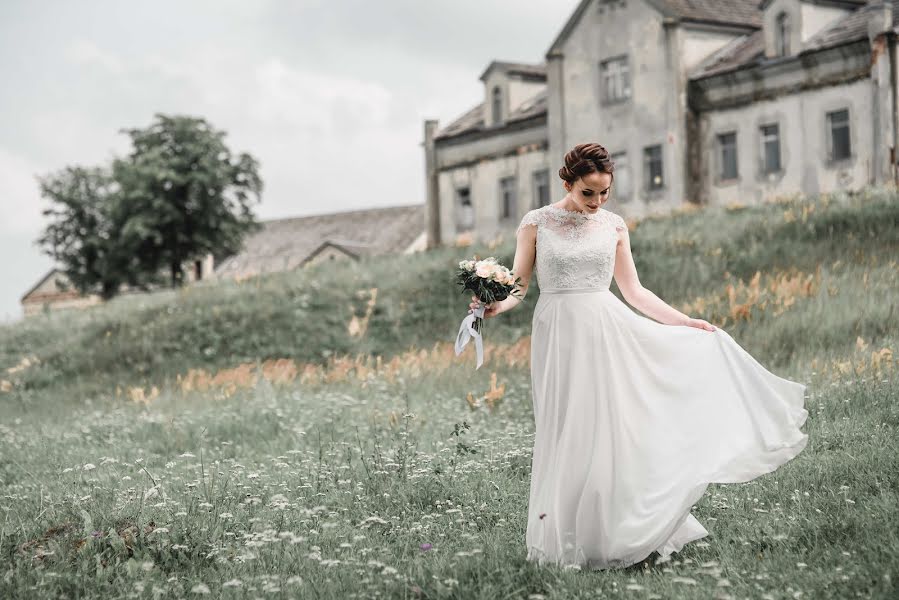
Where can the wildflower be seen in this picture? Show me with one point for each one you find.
(89, 467)
(200, 588)
(425, 547)
(370, 520)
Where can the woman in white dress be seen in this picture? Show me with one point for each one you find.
(634, 416)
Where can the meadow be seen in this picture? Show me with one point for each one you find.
(313, 435)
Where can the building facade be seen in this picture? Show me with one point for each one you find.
(706, 102)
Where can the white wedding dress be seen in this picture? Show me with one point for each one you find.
(634, 419)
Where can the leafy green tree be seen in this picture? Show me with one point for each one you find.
(82, 235)
(186, 194)
(178, 196)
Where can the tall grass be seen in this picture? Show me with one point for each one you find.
(312, 434)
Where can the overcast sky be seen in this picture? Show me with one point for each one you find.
(330, 96)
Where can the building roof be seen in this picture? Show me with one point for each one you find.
(473, 119)
(285, 244)
(749, 50)
(523, 70)
(732, 13)
(40, 282)
(740, 13)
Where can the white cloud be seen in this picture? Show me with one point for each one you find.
(86, 52)
(316, 102)
(20, 211)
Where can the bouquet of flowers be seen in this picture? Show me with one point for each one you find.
(490, 282)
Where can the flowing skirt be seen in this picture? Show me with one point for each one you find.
(634, 419)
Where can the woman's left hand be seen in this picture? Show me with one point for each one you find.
(700, 324)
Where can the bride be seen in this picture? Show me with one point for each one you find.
(634, 416)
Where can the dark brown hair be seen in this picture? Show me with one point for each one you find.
(584, 159)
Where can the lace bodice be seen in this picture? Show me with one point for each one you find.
(574, 249)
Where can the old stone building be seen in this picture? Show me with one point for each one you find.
(280, 245)
(292, 243)
(54, 291)
(701, 101)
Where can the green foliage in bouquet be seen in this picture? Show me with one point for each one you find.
(489, 281)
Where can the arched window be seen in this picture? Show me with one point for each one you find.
(497, 104)
(782, 34)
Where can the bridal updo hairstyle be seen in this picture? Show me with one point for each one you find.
(584, 159)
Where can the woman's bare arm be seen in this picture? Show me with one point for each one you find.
(633, 291)
(522, 266)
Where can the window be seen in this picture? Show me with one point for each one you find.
(464, 210)
(541, 188)
(621, 186)
(507, 197)
(616, 80)
(782, 34)
(727, 155)
(838, 123)
(770, 137)
(652, 167)
(497, 105)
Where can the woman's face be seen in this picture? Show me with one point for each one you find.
(591, 191)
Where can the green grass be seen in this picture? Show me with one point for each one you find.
(328, 491)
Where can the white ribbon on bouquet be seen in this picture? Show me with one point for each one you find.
(467, 331)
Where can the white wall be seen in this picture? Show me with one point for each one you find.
(522, 91)
(482, 178)
(803, 135)
(816, 17)
(698, 45)
(655, 113)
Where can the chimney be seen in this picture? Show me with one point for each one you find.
(432, 197)
(880, 18)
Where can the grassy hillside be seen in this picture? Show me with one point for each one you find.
(412, 301)
(312, 434)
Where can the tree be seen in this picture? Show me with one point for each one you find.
(186, 194)
(82, 236)
(178, 196)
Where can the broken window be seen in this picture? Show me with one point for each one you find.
(497, 105)
(652, 167)
(727, 155)
(770, 137)
(464, 210)
(541, 188)
(616, 79)
(507, 197)
(621, 188)
(838, 124)
(782, 34)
